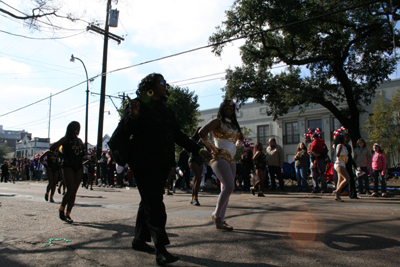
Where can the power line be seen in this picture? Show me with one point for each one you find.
(49, 69)
(62, 91)
(246, 36)
(219, 73)
(41, 38)
(199, 77)
(220, 78)
(203, 47)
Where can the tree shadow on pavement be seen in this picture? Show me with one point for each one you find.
(4, 261)
(119, 228)
(212, 262)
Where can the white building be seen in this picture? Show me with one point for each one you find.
(28, 147)
(289, 129)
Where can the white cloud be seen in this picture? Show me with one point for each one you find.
(8, 66)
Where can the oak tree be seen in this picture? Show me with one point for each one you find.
(336, 53)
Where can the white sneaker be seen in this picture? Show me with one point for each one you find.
(359, 173)
(384, 194)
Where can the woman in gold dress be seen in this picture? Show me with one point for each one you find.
(227, 139)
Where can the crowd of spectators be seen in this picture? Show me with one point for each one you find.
(310, 162)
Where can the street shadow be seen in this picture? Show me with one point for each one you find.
(88, 205)
(80, 196)
(119, 228)
(359, 242)
(7, 195)
(212, 262)
(4, 261)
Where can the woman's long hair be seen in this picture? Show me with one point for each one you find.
(256, 147)
(221, 114)
(338, 140)
(72, 126)
(299, 147)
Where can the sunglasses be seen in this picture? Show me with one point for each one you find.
(163, 82)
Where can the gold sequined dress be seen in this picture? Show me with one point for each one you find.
(226, 142)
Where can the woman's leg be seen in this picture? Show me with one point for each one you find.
(50, 185)
(365, 179)
(256, 184)
(226, 174)
(298, 177)
(90, 180)
(56, 174)
(375, 173)
(343, 180)
(383, 182)
(77, 179)
(303, 174)
(196, 170)
(262, 175)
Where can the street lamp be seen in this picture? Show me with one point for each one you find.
(87, 100)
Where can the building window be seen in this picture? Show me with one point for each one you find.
(314, 124)
(291, 133)
(336, 124)
(263, 134)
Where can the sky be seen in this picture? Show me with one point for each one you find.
(32, 69)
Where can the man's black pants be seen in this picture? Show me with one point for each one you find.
(151, 216)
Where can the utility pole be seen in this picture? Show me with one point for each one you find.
(103, 77)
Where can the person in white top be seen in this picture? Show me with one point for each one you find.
(340, 166)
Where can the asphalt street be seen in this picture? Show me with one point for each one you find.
(281, 229)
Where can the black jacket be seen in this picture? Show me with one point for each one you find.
(154, 133)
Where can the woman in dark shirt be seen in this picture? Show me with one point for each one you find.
(260, 161)
(72, 168)
(302, 163)
(53, 169)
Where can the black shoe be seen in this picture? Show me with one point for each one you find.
(195, 202)
(142, 246)
(260, 195)
(68, 219)
(253, 191)
(59, 190)
(165, 257)
(46, 197)
(51, 200)
(62, 215)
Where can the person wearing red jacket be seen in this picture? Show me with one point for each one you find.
(378, 167)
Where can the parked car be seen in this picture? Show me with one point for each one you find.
(392, 171)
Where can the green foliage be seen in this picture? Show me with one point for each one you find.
(4, 149)
(384, 125)
(347, 54)
(186, 108)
